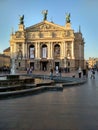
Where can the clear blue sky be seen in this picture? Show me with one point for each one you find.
(83, 13)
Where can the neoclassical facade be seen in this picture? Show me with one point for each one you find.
(47, 45)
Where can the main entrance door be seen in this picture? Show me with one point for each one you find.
(56, 65)
(32, 65)
(44, 65)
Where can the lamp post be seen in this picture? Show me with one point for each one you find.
(65, 64)
(68, 64)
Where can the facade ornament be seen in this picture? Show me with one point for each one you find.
(45, 12)
(45, 26)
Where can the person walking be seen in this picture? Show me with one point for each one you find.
(93, 73)
(27, 69)
(79, 72)
(60, 72)
(51, 74)
(57, 71)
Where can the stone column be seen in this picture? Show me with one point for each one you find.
(51, 49)
(72, 50)
(79, 50)
(23, 50)
(64, 49)
(26, 50)
(63, 45)
(36, 50)
(11, 46)
(14, 51)
(61, 50)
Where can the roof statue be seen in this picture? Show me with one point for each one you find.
(79, 29)
(22, 19)
(68, 18)
(45, 12)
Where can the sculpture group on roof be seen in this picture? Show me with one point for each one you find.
(45, 13)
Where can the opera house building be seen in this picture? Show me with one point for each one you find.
(47, 45)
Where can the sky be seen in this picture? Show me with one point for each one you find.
(84, 13)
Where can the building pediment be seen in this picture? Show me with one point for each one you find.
(45, 26)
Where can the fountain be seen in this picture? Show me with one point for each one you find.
(14, 84)
(18, 85)
(13, 67)
(14, 79)
(13, 74)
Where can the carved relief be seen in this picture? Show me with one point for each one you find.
(53, 34)
(18, 34)
(67, 33)
(63, 34)
(45, 26)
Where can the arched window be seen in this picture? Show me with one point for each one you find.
(57, 51)
(32, 51)
(44, 51)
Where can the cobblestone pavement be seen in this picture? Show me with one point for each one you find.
(70, 74)
(74, 108)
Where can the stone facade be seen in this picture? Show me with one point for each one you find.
(47, 45)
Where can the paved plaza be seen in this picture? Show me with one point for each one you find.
(74, 108)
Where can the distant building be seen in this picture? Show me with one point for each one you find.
(4, 60)
(7, 51)
(92, 62)
(97, 63)
(47, 45)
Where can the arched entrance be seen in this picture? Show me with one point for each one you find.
(44, 65)
(44, 54)
(57, 65)
(32, 51)
(44, 51)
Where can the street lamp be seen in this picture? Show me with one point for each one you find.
(65, 64)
